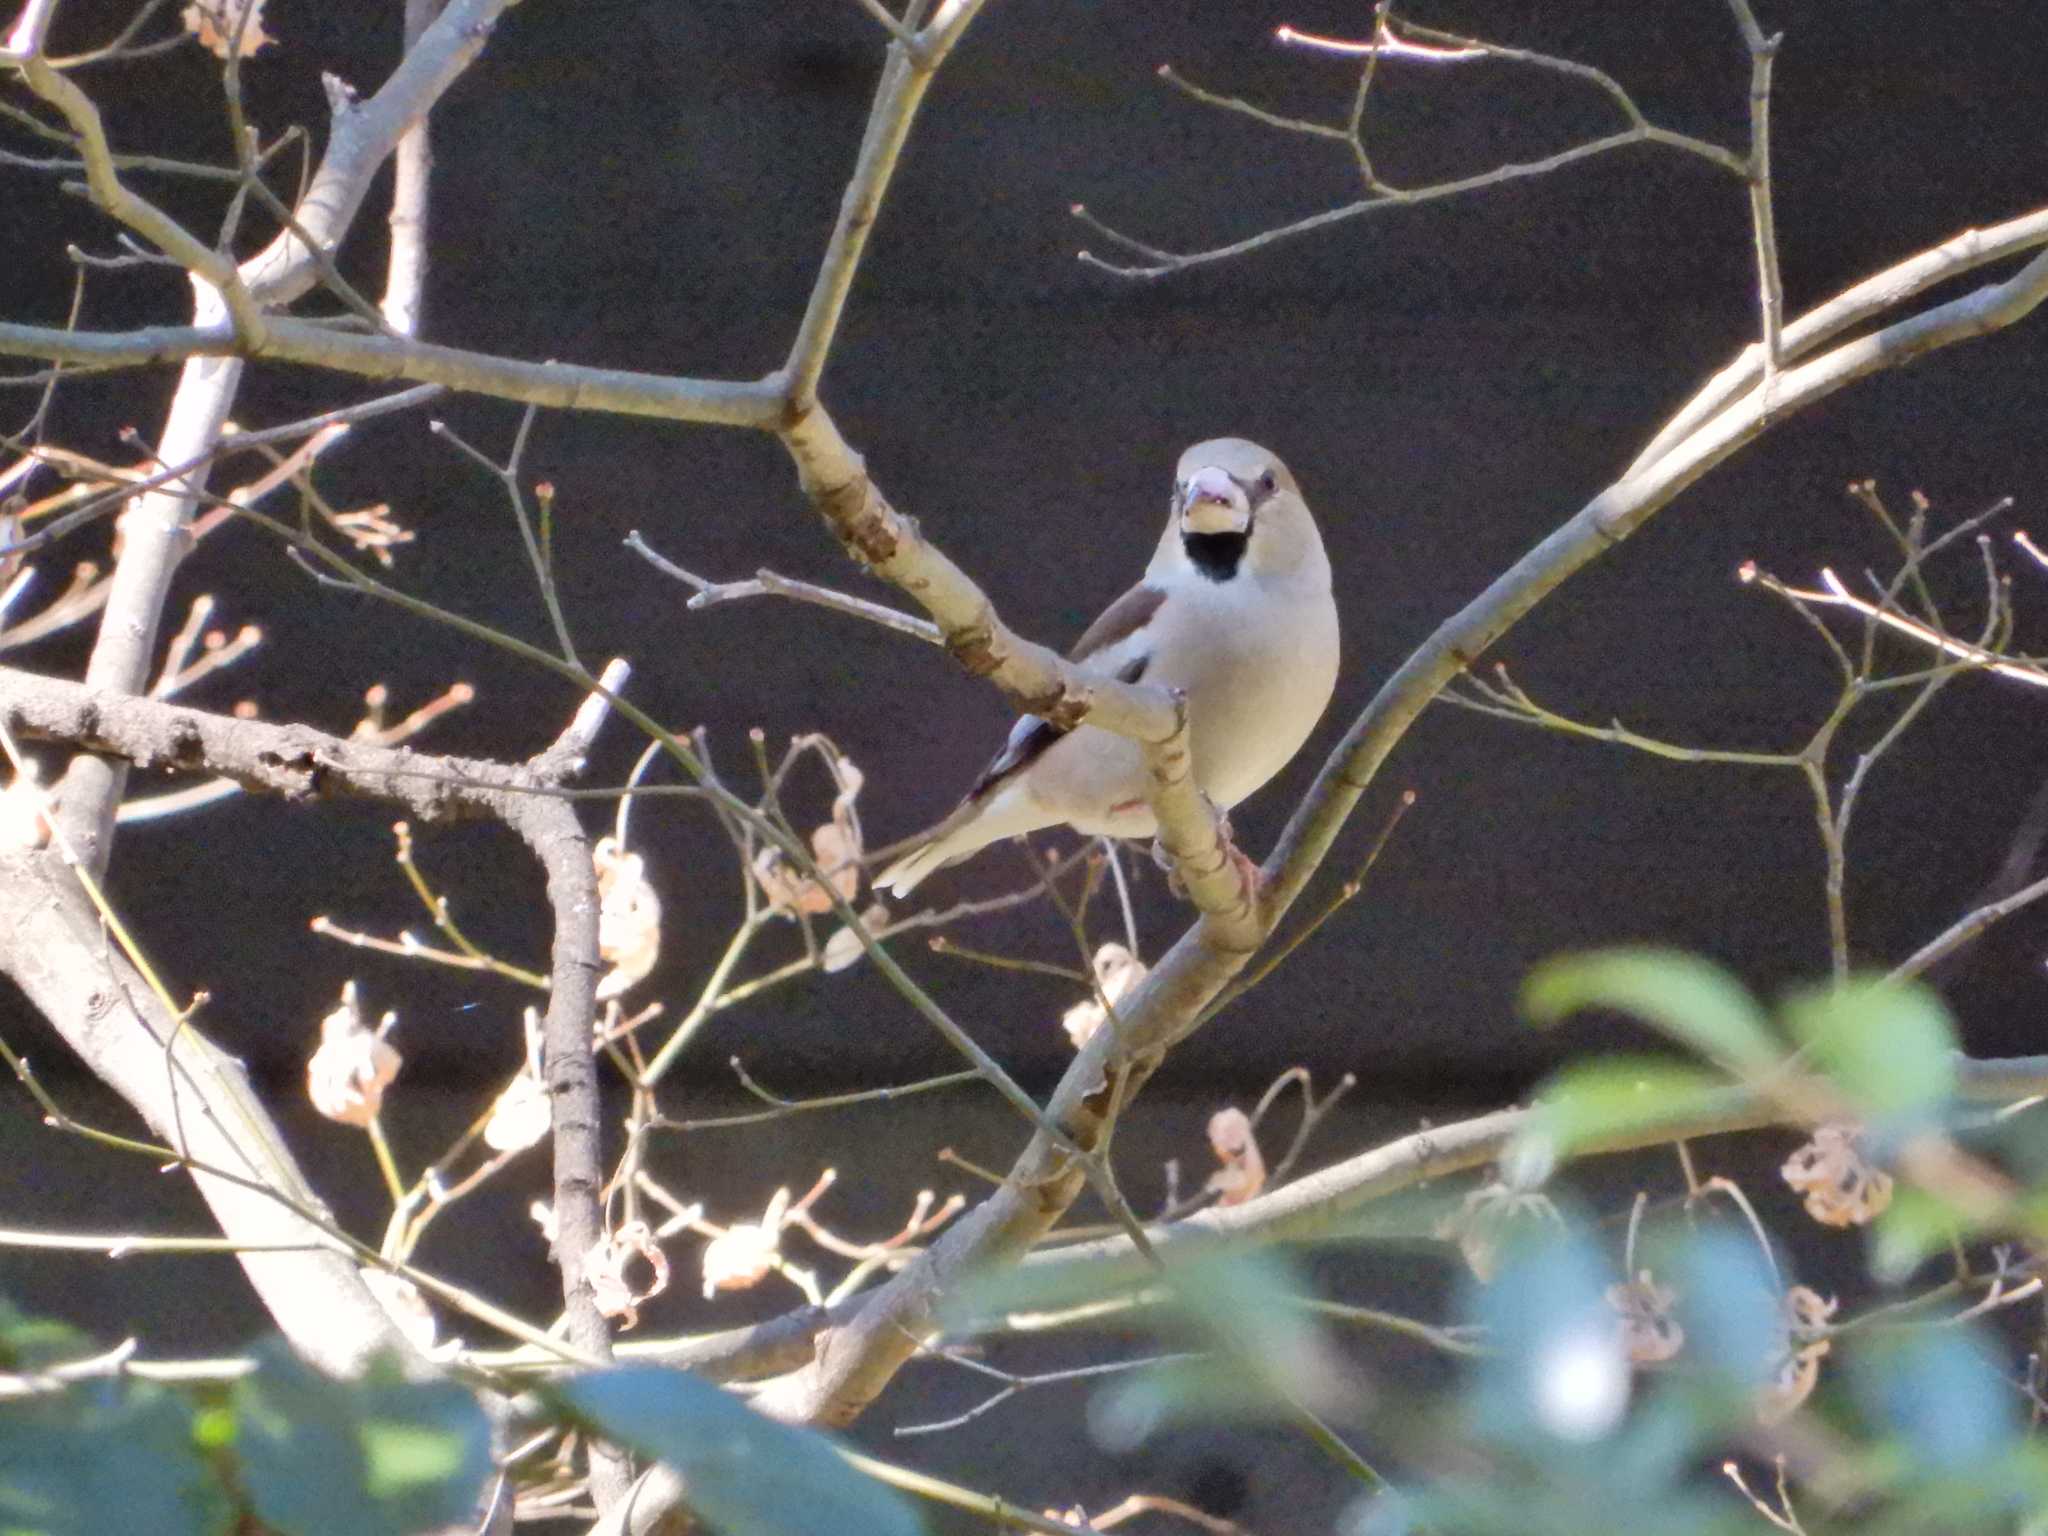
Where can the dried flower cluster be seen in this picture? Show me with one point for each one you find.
(353, 1065)
(1243, 1173)
(605, 1266)
(1805, 1317)
(1843, 1188)
(1117, 971)
(224, 27)
(1650, 1334)
(845, 948)
(837, 847)
(739, 1257)
(523, 1111)
(628, 919)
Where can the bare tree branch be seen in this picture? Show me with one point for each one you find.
(1603, 522)
(193, 1096)
(912, 63)
(59, 955)
(1853, 306)
(406, 268)
(1314, 1208)
(1327, 1203)
(363, 135)
(1756, 174)
(767, 583)
(564, 386)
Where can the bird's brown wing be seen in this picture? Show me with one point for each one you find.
(1120, 620)
(1030, 737)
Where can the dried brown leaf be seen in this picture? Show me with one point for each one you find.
(222, 26)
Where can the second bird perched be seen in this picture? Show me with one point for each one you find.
(1235, 611)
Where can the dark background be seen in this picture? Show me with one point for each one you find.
(649, 185)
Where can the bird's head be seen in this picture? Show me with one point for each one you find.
(1236, 507)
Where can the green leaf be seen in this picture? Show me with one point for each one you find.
(33, 1343)
(1211, 1389)
(746, 1475)
(1689, 1000)
(377, 1457)
(1617, 1099)
(1890, 1046)
(1556, 1374)
(1913, 1228)
(1942, 1392)
(1241, 1306)
(109, 1456)
(1732, 1307)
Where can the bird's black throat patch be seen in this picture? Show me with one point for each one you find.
(1216, 555)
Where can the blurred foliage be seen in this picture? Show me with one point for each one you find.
(86, 1448)
(747, 1475)
(1666, 1374)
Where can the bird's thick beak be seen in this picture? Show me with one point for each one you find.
(1212, 502)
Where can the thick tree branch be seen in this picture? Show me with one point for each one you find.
(857, 1359)
(1604, 522)
(563, 386)
(363, 135)
(1036, 680)
(196, 1098)
(57, 961)
(549, 827)
(1320, 1207)
(1853, 306)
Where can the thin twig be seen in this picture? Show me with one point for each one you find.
(767, 584)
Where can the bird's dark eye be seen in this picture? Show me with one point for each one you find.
(1268, 484)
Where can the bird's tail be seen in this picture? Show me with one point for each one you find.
(1008, 811)
(907, 873)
